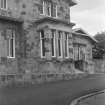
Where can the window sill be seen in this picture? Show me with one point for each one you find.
(49, 16)
(11, 57)
(4, 9)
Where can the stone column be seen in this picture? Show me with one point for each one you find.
(47, 33)
(70, 42)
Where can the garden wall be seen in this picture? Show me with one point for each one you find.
(32, 79)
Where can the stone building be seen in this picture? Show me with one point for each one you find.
(83, 44)
(36, 36)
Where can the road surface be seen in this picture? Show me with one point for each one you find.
(56, 93)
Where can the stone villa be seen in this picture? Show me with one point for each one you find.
(36, 36)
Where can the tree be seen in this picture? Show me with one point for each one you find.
(99, 48)
(100, 36)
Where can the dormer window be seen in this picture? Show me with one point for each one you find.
(48, 9)
(3, 4)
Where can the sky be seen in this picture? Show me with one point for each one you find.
(89, 15)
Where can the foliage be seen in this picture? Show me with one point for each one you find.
(99, 48)
(100, 36)
(98, 52)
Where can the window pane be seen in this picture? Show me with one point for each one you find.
(53, 10)
(53, 42)
(43, 43)
(52, 45)
(11, 48)
(48, 8)
(65, 48)
(41, 7)
(66, 44)
(59, 47)
(2, 4)
(59, 43)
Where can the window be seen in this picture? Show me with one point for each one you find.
(42, 43)
(60, 44)
(66, 50)
(41, 8)
(3, 4)
(11, 43)
(54, 10)
(48, 8)
(53, 49)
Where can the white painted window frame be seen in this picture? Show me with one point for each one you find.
(54, 41)
(67, 44)
(41, 49)
(3, 5)
(44, 10)
(61, 44)
(45, 3)
(56, 11)
(9, 52)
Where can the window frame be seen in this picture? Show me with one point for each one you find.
(3, 7)
(47, 5)
(44, 3)
(54, 42)
(43, 55)
(66, 39)
(60, 49)
(9, 45)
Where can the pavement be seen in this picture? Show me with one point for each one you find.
(56, 93)
(96, 98)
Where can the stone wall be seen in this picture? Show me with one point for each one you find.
(29, 42)
(35, 79)
(29, 10)
(99, 65)
(88, 64)
(28, 57)
(9, 65)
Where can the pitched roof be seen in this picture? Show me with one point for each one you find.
(71, 2)
(80, 31)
